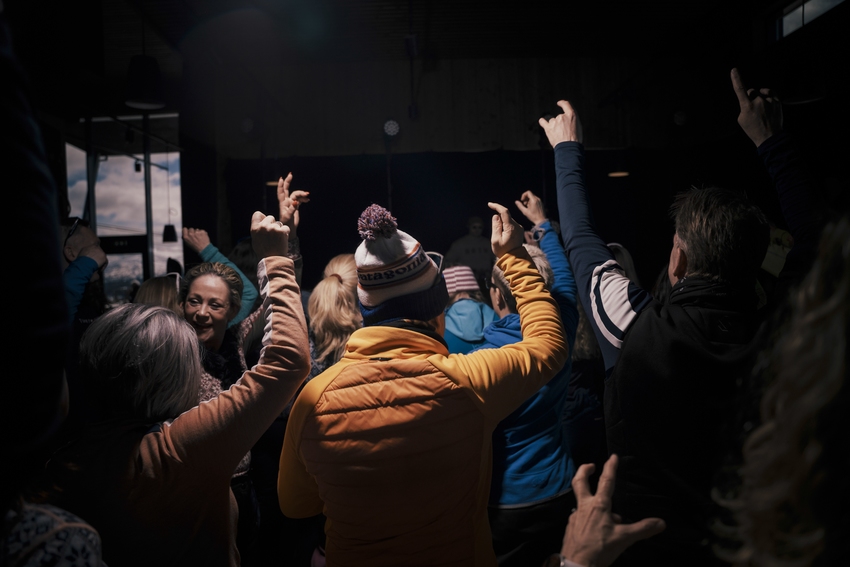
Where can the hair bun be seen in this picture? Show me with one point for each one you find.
(376, 221)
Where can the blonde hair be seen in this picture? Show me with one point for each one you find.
(334, 312)
(160, 291)
(141, 361)
(538, 257)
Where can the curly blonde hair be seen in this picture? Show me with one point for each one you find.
(333, 309)
(792, 509)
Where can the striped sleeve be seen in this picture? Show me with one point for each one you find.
(610, 300)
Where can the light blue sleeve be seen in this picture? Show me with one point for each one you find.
(563, 288)
(249, 292)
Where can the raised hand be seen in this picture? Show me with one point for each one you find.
(196, 238)
(565, 127)
(595, 537)
(761, 111)
(288, 203)
(507, 234)
(269, 237)
(531, 206)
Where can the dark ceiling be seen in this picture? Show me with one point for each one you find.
(77, 53)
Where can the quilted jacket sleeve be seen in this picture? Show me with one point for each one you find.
(501, 379)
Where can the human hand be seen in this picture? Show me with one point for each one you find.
(565, 127)
(288, 203)
(196, 238)
(761, 112)
(595, 537)
(96, 253)
(531, 206)
(268, 236)
(507, 234)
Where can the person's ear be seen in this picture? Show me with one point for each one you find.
(497, 298)
(678, 261)
(441, 324)
(70, 253)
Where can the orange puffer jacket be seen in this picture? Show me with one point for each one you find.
(393, 443)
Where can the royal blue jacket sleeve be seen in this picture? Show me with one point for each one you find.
(249, 292)
(563, 288)
(610, 300)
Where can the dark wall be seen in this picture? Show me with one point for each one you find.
(435, 193)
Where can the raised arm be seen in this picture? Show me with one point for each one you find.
(611, 301)
(563, 287)
(802, 205)
(216, 434)
(198, 240)
(289, 204)
(503, 378)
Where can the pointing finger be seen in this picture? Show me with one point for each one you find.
(740, 89)
(504, 214)
(605, 488)
(567, 107)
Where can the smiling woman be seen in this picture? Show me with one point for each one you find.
(211, 295)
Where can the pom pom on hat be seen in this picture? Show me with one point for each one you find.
(376, 221)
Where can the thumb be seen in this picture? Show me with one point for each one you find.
(496, 231)
(630, 533)
(256, 219)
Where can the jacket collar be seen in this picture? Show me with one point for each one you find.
(392, 342)
(713, 295)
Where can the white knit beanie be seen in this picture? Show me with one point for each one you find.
(390, 262)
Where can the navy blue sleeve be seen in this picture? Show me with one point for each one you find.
(801, 202)
(610, 300)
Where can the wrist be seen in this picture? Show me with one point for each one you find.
(560, 560)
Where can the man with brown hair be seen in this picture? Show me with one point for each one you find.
(672, 396)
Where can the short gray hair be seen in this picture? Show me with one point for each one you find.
(540, 262)
(141, 361)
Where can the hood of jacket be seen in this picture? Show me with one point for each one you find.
(505, 331)
(468, 318)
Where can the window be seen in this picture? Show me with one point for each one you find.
(120, 211)
(801, 13)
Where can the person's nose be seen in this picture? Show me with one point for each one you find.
(203, 310)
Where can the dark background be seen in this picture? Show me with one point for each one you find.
(650, 81)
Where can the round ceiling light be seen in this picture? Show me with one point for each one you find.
(391, 128)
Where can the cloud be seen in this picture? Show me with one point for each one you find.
(120, 200)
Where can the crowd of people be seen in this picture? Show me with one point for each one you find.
(404, 415)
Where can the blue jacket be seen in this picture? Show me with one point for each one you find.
(531, 458)
(465, 323)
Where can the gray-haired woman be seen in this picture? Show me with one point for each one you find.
(154, 479)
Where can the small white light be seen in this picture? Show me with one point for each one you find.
(391, 128)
